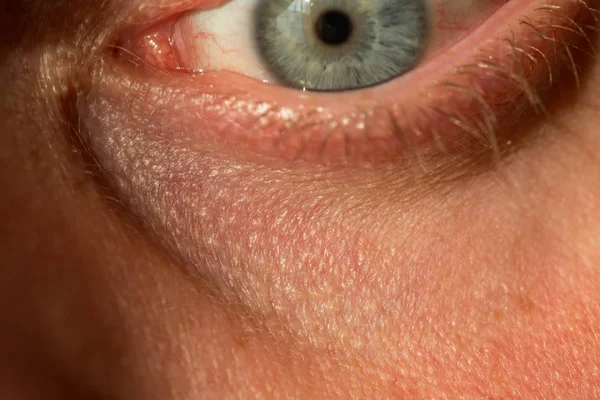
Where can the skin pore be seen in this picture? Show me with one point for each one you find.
(139, 262)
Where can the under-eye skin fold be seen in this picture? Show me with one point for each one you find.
(232, 74)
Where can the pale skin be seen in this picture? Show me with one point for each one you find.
(279, 281)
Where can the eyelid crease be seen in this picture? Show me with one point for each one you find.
(500, 80)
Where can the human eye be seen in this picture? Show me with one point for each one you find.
(335, 81)
(322, 46)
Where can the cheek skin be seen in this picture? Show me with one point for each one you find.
(306, 283)
(480, 281)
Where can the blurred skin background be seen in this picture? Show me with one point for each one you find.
(140, 262)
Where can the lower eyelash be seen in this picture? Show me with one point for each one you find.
(527, 70)
(486, 96)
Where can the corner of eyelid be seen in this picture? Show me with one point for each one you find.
(59, 69)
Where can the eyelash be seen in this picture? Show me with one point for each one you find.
(510, 73)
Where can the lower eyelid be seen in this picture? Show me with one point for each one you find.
(468, 90)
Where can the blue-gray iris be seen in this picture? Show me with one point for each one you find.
(330, 45)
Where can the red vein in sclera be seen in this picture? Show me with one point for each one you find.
(154, 29)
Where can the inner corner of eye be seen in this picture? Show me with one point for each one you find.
(153, 46)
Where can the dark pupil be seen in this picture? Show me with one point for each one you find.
(333, 27)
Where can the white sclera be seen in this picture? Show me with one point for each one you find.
(222, 39)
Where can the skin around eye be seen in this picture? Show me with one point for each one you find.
(138, 264)
(463, 95)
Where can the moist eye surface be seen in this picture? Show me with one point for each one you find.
(328, 45)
